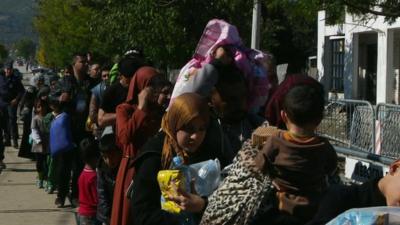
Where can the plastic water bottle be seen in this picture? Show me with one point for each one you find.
(185, 218)
(207, 176)
(177, 164)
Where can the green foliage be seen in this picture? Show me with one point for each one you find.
(168, 30)
(63, 28)
(289, 29)
(390, 9)
(289, 26)
(3, 53)
(25, 48)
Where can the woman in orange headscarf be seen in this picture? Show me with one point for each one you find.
(137, 119)
(184, 129)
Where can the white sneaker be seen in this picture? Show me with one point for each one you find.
(2, 165)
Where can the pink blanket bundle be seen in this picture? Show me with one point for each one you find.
(250, 61)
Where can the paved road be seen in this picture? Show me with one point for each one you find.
(21, 202)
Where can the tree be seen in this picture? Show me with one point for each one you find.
(3, 53)
(289, 26)
(289, 30)
(25, 48)
(63, 30)
(168, 30)
(390, 9)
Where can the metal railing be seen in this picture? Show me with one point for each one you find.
(388, 130)
(364, 130)
(349, 123)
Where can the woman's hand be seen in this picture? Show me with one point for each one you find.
(223, 55)
(14, 102)
(144, 97)
(189, 202)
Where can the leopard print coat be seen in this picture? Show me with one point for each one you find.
(239, 197)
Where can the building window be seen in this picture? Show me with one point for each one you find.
(337, 65)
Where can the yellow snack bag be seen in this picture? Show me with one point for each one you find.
(165, 180)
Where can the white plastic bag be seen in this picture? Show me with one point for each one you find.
(368, 216)
(207, 176)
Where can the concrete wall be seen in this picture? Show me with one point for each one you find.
(396, 67)
(324, 49)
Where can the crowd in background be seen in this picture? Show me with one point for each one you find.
(100, 133)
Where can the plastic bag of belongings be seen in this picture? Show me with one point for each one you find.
(368, 216)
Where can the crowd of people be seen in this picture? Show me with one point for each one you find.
(100, 134)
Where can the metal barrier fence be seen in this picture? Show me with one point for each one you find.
(359, 127)
(388, 130)
(349, 123)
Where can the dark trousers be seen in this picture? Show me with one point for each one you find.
(41, 165)
(3, 126)
(12, 122)
(26, 147)
(69, 167)
(9, 122)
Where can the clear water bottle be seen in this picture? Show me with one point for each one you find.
(185, 218)
(177, 164)
(207, 176)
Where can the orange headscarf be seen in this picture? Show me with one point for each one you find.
(184, 109)
(140, 81)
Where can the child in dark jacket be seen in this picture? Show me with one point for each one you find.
(298, 160)
(87, 184)
(107, 170)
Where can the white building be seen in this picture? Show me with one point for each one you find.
(360, 59)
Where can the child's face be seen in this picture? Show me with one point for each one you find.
(54, 108)
(53, 85)
(39, 108)
(112, 158)
(190, 137)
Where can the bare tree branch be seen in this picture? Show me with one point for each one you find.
(166, 3)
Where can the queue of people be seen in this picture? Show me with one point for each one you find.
(101, 140)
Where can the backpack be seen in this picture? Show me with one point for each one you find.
(60, 135)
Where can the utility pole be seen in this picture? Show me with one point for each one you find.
(255, 29)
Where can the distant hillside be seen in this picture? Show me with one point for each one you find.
(16, 18)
